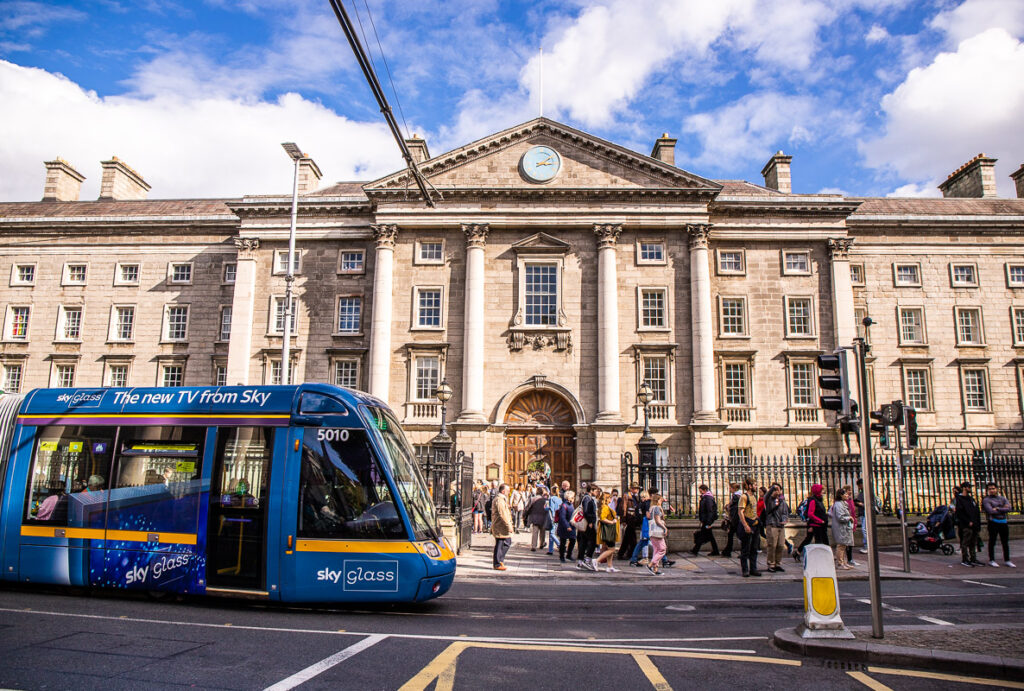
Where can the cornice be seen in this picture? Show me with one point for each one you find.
(776, 206)
(382, 195)
(319, 207)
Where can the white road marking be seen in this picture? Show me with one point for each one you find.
(990, 585)
(884, 605)
(682, 608)
(933, 620)
(325, 664)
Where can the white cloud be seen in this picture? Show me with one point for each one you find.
(30, 19)
(913, 189)
(876, 34)
(184, 146)
(975, 16)
(962, 104)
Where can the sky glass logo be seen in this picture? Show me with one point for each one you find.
(364, 575)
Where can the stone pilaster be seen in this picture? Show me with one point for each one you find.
(607, 324)
(704, 409)
(243, 305)
(380, 323)
(473, 341)
(844, 321)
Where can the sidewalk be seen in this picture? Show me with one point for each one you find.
(475, 564)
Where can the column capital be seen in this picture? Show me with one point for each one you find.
(839, 248)
(247, 247)
(699, 234)
(476, 233)
(385, 234)
(607, 234)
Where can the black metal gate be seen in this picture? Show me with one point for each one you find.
(464, 515)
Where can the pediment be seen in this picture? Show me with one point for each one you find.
(541, 243)
(590, 166)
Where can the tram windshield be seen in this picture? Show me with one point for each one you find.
(401, 463)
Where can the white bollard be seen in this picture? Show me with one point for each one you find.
(821, 595)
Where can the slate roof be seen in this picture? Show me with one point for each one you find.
(893, 206)
(115, 208)
(340, 189)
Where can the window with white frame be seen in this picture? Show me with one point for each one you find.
(346, 373)
(655, 373)
(653, 308)
(176, 323)
(917, 389)
(75, 274)
(911, 326)
(739, 464)
(650, 252)
(276, 373)
(117, 375)
(796, 263)
(224, 334)
(351, 261)
(220, 375)
(1017, 323)
(1015, 275)
(541, 294)
(975, 383)
(23, 274)
(12, 377)
(799, 317)
(69, 323)
(126, 274)
(172, 375)
(963, 275)
(277, 312)
(180, 273)
(807, 454)
(857, 274)
(731, 262)
(64, 376)
(968, 326)
(430, 252)
(801, 385)
(859, 313)
(426, 376)
(17, 323)
(281, 261)
(229, 273)
(732, 318)
(736, 384)
(122, 323)
(350, 312)
(906, 275)
(428, 308)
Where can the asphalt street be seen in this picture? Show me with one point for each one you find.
(521, 634)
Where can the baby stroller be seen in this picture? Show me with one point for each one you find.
(929, 535)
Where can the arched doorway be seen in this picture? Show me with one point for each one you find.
(539, 438)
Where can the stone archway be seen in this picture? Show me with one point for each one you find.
(539, 435)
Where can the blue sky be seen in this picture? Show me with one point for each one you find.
(871, 97)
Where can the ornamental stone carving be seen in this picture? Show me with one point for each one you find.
(559, 340)
(607, 234)
(385, 234)
(839, 248)
(247, 247)
(699, 234)
(476, 234)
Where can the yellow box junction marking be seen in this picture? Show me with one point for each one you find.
(946, 677)
(869, 682)
(652, 673)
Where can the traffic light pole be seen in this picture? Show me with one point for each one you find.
(902, 484)
(860, 350)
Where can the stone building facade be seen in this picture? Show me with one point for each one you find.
(555, 273)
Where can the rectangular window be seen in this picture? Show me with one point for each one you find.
(541, 295)
(739, 466)
(12, 378)
(346, 373)
(74, 274)
(17, 323)
(23, 275)
(66, 458)
(652, 308)
(220, 375)
(126, 274)
(733, 316)
(172, 375)
(652, 252)
(916, 380)
(1015, 275)
(428, 308)
(177, 323)
(69, 323)
(799, 318)
(277, 309)
(907, 274)
(281, 261)
(796, 263)
(857, 274)
(225, 323)
(123, 323)
(276, 373)
(963, 275)
(801, 378)
(656, 376)
(351, 262)
(117, 376)
(807, 454)
(430, 252)
(180, 273)
(64, 376)
(230, 273)
(1017, 321)
(731, 262)
(968, 326)
(736, 384)
(911, 326)
(426, 377)
(975, 390)
(349, 314)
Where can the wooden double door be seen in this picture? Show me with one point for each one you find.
(535, 449)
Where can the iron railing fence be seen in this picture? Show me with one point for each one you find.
(929, 481)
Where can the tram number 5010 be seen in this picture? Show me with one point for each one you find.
(332, 434)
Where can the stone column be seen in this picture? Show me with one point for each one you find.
(380, 323)
(843, 319)
(704, 410)
(473, 338)
(242, 308)
(607, 324)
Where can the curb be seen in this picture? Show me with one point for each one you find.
(861, 651)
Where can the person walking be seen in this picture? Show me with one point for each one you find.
(968, 523)
(587, 538)
(858, 503)
(852, 506)
(501, 526)
(731, 517)
(996, 508)
(517, 503)
(746, 512)
(609, 532)
(842, 528)
(479, 506)
(658, 534)
(645, 529)
(707, 514)
(535, 516)
(776, 514)
(554, 502)
(563, 524)
(630, 520)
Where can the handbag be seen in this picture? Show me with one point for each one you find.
(608, 533)
(657, 531)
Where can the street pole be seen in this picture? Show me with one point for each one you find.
(903, 495)
(289, 277)
(874, 579)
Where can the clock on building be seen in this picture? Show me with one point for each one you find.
(541, 163)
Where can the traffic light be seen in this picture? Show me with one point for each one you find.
(838, 383)
(893, 413)
(882, 426)
(910, 420)
(850, 424)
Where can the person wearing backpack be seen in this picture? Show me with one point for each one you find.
(747, 529)
(587, 538)
(707, 514)
(732, 520)
(816, 516)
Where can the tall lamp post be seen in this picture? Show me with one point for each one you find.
(647, 446)
(295, 152)
(441, 445)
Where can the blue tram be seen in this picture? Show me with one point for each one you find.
(292, 493)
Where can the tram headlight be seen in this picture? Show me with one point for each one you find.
(432, 551)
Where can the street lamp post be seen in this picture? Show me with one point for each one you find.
(286, 365)
(441, 445)
(647, 446)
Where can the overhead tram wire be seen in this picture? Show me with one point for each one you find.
(378, 93)
(380, 49)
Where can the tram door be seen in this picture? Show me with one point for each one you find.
(237, 521)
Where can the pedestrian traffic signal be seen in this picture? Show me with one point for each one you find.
(910, 420)
(850, 424)
(838, 382)
(893, 413)
(881, 426)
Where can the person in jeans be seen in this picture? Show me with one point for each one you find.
(563, 523)
(501, 526)
(776, 514)
(588, 538)
(996, 508)
(645, 530)
(747, 530)
(554, 502)
(968, 523)
(707, 514)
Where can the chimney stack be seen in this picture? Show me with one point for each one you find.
(976, 178)
(63, 183)
(1018, 180)
(776, 173)
(418, 148)
(665, 149)
(121, 182)
(309, 175)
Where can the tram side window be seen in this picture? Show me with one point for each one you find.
(158, 484)
(343, 492)
(69, 475)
